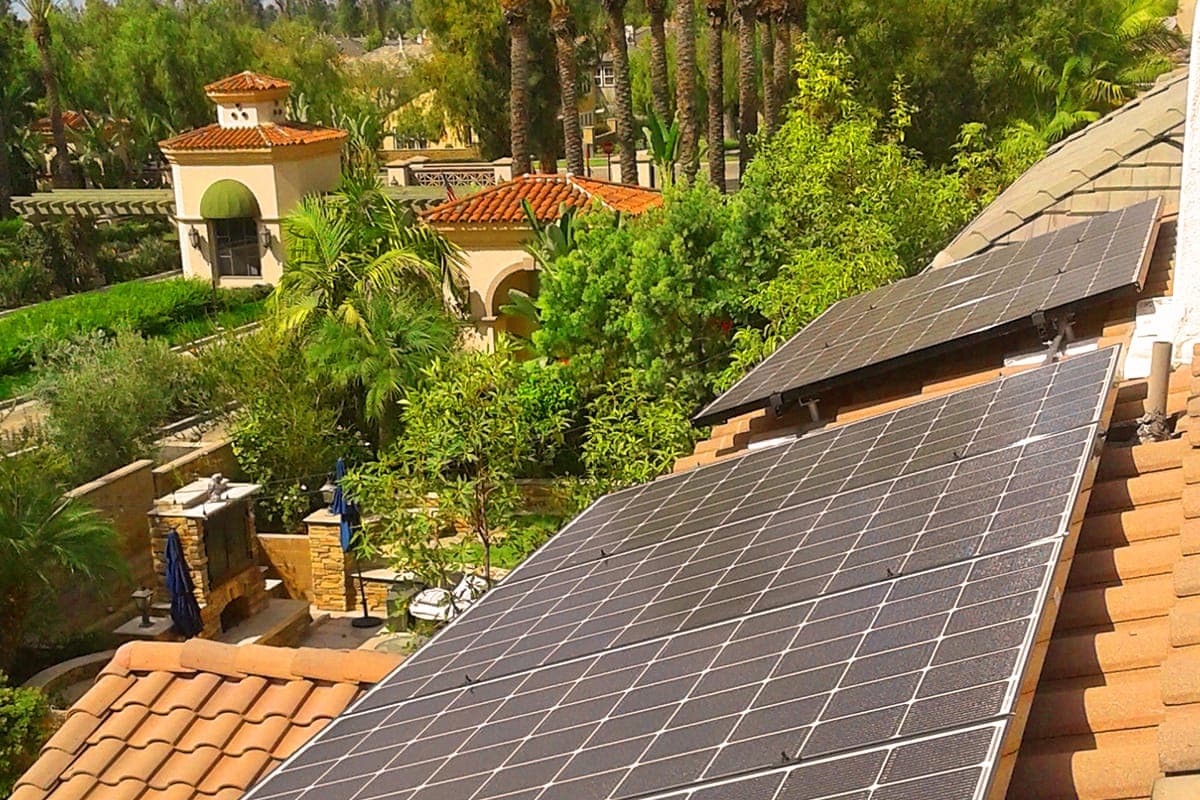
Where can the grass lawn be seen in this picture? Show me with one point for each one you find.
(182, 314)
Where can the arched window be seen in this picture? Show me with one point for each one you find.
(231, 211)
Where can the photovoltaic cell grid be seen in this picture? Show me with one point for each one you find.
(865, 639)
(1004, 285)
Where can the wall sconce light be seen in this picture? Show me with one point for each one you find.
(143, 597)
(264, 236)
(194, 237)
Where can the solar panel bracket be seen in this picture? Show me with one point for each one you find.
(777, 404)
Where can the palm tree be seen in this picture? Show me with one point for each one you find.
(344, 249)
(382, 359)
(1118, 53)
(767, 64)
(64, 175)
(44, 536)
(624, 91)
(781, 18)
(660, 84)
(563, 25)
(715, 10)
(516, 15)
(685, 84)
(747, 81)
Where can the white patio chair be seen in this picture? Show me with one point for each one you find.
(442, 605)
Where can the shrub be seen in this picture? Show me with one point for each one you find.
(134, 250)
(24, 714)
(150, 309)
(633, 436)
(22, 283)
(108, 397)
(287, 432)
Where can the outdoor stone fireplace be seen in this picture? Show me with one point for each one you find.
(216, 529)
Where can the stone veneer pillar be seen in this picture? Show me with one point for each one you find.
(332, 581)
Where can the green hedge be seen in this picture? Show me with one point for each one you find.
(151, 309)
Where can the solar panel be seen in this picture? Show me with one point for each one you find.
(978, 296)
(848, 615)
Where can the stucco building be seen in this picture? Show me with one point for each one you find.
(236, 179)
(491, 229)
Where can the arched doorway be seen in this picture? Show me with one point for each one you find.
(517, 326)
(231, 212)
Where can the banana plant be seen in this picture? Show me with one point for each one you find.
(663, 142)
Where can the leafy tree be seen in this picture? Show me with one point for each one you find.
(842, 205)
(454, 467)
(658, 294)
(14, 102)
(288, 428)
(634, 435)
(349, 18)
(470, 67)
(24, 718)
(43, 536)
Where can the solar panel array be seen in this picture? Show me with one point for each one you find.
(847, 615)
(983, 293)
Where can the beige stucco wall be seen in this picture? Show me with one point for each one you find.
(490, 254)
(277, 184)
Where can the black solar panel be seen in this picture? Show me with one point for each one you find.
(955, 304)
(849, 615)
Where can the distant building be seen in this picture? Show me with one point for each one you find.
(234, 180)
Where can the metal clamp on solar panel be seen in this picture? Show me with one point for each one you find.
(861, 612)
(984, 297)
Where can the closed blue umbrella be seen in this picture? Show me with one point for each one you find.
(349, 516)
(348, 511)
(185, 611)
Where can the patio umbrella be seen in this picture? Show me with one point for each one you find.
(185, 611)
(347, 511)
(349, 516)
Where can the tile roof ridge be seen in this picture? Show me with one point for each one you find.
(252, 660)
(1180, 730)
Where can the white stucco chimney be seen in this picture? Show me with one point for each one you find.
(1187, 245)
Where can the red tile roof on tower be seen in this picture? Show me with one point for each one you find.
(246, 82)
(195, 721)
(546, 194)
(259, 137)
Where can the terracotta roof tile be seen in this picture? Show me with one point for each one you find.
(195, 721)
(258, 137)
(263, 735)
(501, 204)
(235, 696)
(104, 693)
(246, 82)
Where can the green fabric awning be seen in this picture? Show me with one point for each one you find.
(228, 199)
